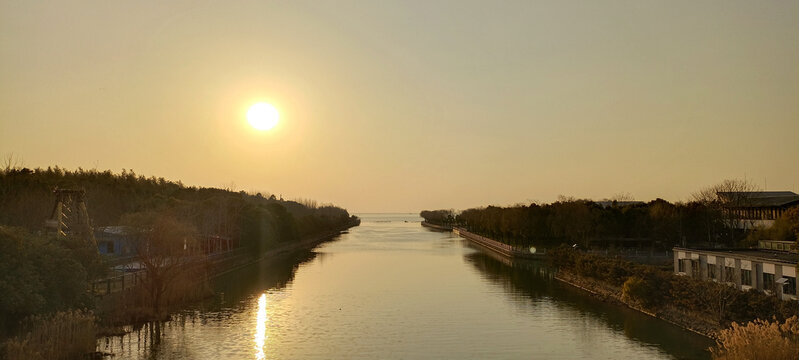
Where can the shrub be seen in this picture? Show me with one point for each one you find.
(634, 290)
(649, 290)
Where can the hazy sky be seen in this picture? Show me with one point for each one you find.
(409, 105)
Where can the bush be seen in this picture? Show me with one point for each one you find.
(759, 339)
(648, 290)
(38, 275)
(634, 290)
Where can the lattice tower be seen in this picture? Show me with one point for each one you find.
(69, 216)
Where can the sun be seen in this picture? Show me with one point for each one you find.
(262, 116)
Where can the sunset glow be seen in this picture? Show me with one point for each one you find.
(262, 116)
(399, 179)
(543, 93)
(260, 327)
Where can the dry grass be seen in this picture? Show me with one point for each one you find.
(63, 335)
(759, 339)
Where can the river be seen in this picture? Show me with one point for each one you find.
(391, 289)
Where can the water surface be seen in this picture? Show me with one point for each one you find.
(391, 289)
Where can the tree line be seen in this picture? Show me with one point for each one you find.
(26, 199)
(40, 273)
(702, 221)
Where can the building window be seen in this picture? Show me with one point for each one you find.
(729, 273)
(681, 265)
(695, 268)
(768, 281)
(746, 277)
(790, 286)
(711, 271)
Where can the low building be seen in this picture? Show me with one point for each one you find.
(121, 241)
(115, 240)
(768, 270)
(757, 208)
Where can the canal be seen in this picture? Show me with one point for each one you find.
(391, 289)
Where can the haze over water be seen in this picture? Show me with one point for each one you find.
(391, 289)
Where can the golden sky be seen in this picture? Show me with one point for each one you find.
(409, 105)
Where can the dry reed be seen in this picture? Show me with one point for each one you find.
(759, 339)
(63, 335)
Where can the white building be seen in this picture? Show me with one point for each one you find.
(771, 271)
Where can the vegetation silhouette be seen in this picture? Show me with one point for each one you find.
(43, 273)
(700, 222)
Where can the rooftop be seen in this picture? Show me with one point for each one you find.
(763, 198)
(758, 254)
(115, 230)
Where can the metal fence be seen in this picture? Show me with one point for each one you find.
(118, 283)
(131, 279)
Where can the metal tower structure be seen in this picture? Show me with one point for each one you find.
(69, 216)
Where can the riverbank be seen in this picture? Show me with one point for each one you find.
(496, 246)
(436, 226)
(690, 321)
(129, 307)
(310, 242)
(398, 290)
(693, 321)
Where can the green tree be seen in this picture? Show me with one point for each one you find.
(38, 275)
(573, 219)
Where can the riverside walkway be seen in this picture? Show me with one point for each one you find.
(496, 246)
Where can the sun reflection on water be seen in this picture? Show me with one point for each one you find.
(260, 328)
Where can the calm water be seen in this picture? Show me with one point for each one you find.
(391, 289)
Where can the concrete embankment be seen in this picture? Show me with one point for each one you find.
(496, 246)
(436, 226)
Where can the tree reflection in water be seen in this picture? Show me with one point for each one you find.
(148, 341)
(532, 281)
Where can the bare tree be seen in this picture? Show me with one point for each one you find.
(11, 162)
(725, 202)
(622, 197)
(163, 245)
